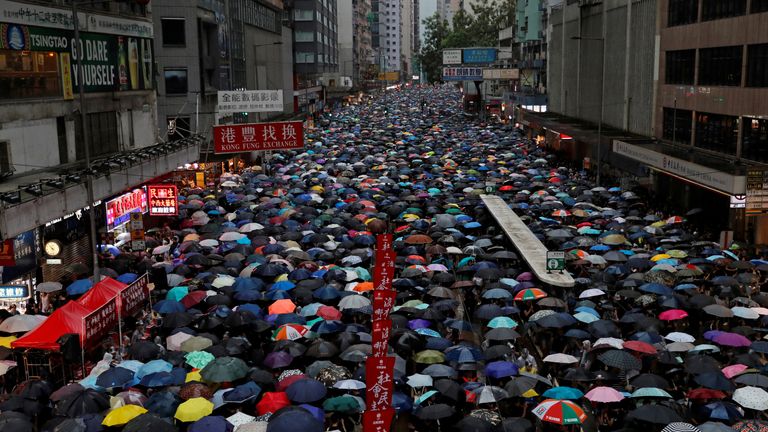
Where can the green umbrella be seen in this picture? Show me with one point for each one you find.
(429, 357)
(195, 343)
(342, 404)
(224, 369)
(199, 359)
(177, 293)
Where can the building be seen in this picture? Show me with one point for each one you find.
(316, 52)
(42, 139)
(355, 48)
(409, 36)
(390, 41)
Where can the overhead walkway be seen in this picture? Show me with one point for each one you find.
(530, 247)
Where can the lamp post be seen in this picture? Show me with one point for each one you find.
(602, 95)
(86, 138)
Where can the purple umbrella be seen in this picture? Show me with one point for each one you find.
(501, 369)
(732, 340)
(279, 359)
(210, 424)
(711, 334)
(318, 413)
(418, 323)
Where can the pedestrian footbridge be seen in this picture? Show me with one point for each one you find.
(530, 247)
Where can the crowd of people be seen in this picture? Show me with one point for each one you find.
(261, 318)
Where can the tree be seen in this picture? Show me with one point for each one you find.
(490, 17)
(431, 54)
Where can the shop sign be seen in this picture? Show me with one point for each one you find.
(163, 200)
(379, 378)
(378, 421)
(99, 322)
(110, 62)
(452, 56)
(24, 256)
(757, 191)
(501, 74)
(36, 15)
(250, 101)
(389, 76)
(14, 291)
(6, 253)
(239, 138)
(134, 295)
(555, 261)
(119, 209)
(462, 74)
(479, 55)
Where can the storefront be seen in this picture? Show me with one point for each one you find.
(18, 260)
(66, 241)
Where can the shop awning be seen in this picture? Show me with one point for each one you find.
(66, 319)
(702, 170)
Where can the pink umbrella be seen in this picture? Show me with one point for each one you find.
(733, 370)
(604, 395)
(673, 314)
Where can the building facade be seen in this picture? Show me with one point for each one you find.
(355, 48)
(390, 41)
(409, 38)
(315, 34)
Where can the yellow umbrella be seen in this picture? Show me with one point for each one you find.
(6, 341)
(122, 415)
(193, 376)
(193, 410)
(660, 257)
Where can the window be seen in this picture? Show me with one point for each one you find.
(717, 9)
(681, 67)
(102, 128)
(682, 12)
(720, 66)
(677, 125)
(5, 156)
(305, 57)
(304, 36)
(755, 139)
(717, 132)
(757, 65)
(303, 15)
(175, 81)
(758, 6)
(29, 74)
(173, 32)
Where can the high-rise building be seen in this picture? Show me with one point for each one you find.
(409, 36)
(316, 51)
(355, 49)
(390, 43)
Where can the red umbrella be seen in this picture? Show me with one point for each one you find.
(641, 347)
(193, 298)
(271, 402)
(329, 313)
(705, 393)
(673, 315)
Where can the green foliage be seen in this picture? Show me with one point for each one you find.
(481, 29)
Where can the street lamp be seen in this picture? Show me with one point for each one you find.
(602, 95)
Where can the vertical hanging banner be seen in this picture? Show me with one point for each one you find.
(384, 272)
(380, 338)
(379, 378)
(383, 302)
(378, 421)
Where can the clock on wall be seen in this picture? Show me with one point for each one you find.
(53, 248)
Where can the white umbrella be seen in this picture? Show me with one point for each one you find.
(680, 337)
(419, 380)
(592, 292)
(351, 384)
(6, 365)
(21, 323)
(229, 183)
(174, 279)
(253, 226)
(608, 342)
(490, 394)
(49, 287)
(231, 236)
(679, 347)
(239, 419)
(160, 250)
(596, 260)
(209, 243)
(560, 358)
(353, 302)
(760, 310)
(222, 281)
(174, 341)
(751, 397)
(746, 313)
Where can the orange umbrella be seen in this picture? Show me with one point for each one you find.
(363, 287)
(283, 306)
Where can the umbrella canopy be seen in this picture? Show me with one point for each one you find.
(562, 412)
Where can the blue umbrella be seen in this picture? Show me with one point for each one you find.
(501, 369)
(127, 278)
(248, 284)
(293, 419)
(464, 354)
(164, 404)
(306, 391)
(656, 288)
(115, 377)
(157, 379)
(563, 392)
(211, 424)
(723, 411)
(168, 306)
(401, 402)
(242, 393)
(80, 286)
(154, 366)
(318, 413)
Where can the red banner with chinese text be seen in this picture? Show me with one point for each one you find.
(383, 302)
(384, 272)
(380, 337)
(99, 322)
(379, 379)
(239, 138)
(378, 421)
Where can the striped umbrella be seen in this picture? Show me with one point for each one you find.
(530, 294)
(563, 412)
(289, 332)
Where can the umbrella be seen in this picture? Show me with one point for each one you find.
(563, 392)
(751, 397)
(81, 402)
(435, 412)
(306, 391)
(680, 427)
(193, 410)
(122, 415)
(292, 419)
(115, 377)
(620, 360)
(604, 395)
(561, 412)
(149, 422)
(21, 323)
(224, 369)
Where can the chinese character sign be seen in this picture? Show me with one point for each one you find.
(250, 101)
(384, 272)
(380, 337)
(7, 257)
(383, 302)
(134, 295)
(379, 378)
(14, 291)
(119, 209)
(163, 200)
(239, 138)
(99, 322)
(378, 421)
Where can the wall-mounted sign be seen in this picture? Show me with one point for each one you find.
(24, 252)
(452, 56)
(13, 291)
(462, 74)
(163, 200)
(479, 55)
(239, 138)
(251, 101)
(119, 209)
(501, 74)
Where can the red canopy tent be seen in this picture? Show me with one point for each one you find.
(66, 319)
(101, 293)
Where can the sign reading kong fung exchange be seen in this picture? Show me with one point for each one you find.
(239, 138)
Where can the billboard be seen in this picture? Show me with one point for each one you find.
(452, 56)
(239, 138)
(462, 74)
(478, 55)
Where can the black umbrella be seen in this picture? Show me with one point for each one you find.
(449, 389)
(698, 364)
(649, 380)
(474, 424)
(655, 413)
(435, 412)
(620, 359)
(144, 351)
(714, 380)
(149, 422)
(82, 402)
(15, 422)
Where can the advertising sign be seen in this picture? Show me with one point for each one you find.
(451, 57)
(24, 256)
(119, 209)
(378, 421)
(555, 260)
(501, 74)
(163, 200)
(99, 322)
(14, 291)
(239, 138)
(379, 378)
(462, 74)
(251, 101)
(757, 191)
(134, 295)
(383, 302)
(389, 76)
(6, 253)
(479, 55)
